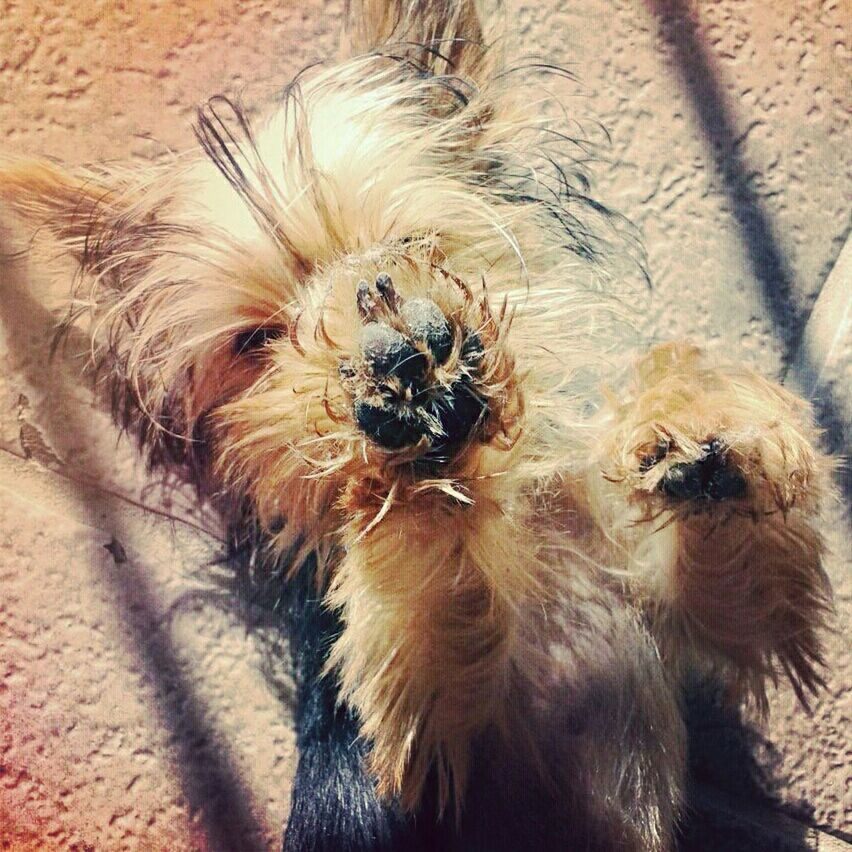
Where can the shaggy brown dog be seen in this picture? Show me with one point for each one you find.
(367, 327)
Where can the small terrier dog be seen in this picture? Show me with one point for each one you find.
(365, 329)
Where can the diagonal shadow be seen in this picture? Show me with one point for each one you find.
(731, 760)
(209, 780)
(679, 28)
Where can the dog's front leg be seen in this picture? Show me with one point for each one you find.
(425, 644)
(722, 483)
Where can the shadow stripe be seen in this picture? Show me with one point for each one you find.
(209, 780)
(679, 28)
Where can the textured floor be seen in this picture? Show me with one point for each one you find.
(136, 711)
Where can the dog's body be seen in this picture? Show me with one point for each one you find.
(367, 331)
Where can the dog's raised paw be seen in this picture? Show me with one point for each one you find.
(407, 387)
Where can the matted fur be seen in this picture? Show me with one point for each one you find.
(540, 550)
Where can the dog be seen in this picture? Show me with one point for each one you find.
(370, 330)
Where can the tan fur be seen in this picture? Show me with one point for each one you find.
(738, 585)
(441, 579)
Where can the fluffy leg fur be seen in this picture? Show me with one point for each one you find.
(712, 484)
(425, 646)
(334, 802)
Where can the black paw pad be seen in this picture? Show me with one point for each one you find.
(401, 399)
(472, 350)
(712, 477)
(387, 425)
(458, 412)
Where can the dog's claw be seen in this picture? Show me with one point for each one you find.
(365, 300)
(387, 291)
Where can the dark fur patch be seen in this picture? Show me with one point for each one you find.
(334, 804)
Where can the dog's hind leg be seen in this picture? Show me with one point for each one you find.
(334, 804)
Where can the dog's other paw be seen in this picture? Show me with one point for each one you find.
(741, 470)
(696, 438)
(712, 476)
(722, 469)
(413, 382)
